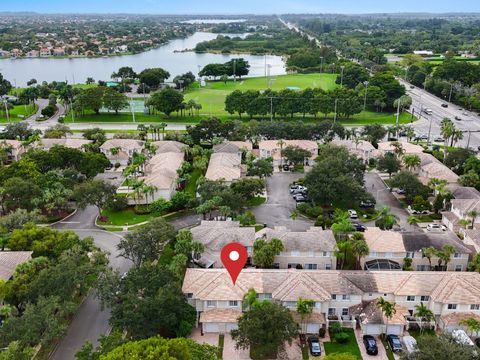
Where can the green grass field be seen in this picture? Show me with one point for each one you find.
(19, 112)
(351, 347)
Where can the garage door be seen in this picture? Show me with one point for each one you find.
(231, 326)
(211, 328)
(372, 329)
(313, 328)
(395, 329)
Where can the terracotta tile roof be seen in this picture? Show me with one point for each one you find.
(168, 146)
(9, 260)
(369, 313)
(315, 317)
(15, 144)
(463, 192)
(384, 241)
(224, 166)
(354, 147)
(454, 318)
(161, 170)
(214, 235)
(70, 143)
(408, 147)
(232, 147)
(439, 171)
(220, 315)
(273, 144)
(315, 239)
(126, 144)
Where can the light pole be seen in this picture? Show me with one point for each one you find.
(335, 115)
(321, 64)
(451, 90)
(6, 109)
(341, 78)
(234, 70)
(429, 130)
(365, 98)
(406, 73)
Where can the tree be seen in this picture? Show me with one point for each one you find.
(114, 100)
(474, 265)
(411, 161)
(359, 248)
(261, 168)
(442, 347)
(374, 133)
(412, 220)
(304, 309)
(18, 218)
(295, 154)
(429, 253)
(248, 188)
(386, 220)
(18, 131)
(388, 163)
(160, 348)
(424, 314)
(237, 67)
(15, 351)
(473, 214)
(161, 309)
(97, 135)
(408, 182)
(89, 99)
(153, 77)
(388, 309)
(94, 192)
(265, 326)
(57, 131)
(472, 325)
(342, 248)
(185, 244)
(167, 100)
(5, 86)
(124, 73)
(264, 252)
(147, 242)
(49, 110)
(405, 102)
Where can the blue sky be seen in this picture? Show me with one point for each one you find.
(239, 6)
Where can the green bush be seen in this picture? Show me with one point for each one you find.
(335, 328)
(341, 338)
(247, 219)
(309, 210)
(161, 205)
(119, 203)
(142, 209)
(49, 110)
(321, 332)
(181, 200)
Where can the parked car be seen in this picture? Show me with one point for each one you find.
(410, 343)
(367, 204)
(359, 227)
(296, 187)
(394, 342)
(422, 137)
(444, 105)
(286, 167)
(398, 191)
(370, 344)
(438, 139)
(457, 118)
(412, 87)
(300, 198)
(300, 190)
(465, 113)
(353, 214)
(436, 227)
(314, 346)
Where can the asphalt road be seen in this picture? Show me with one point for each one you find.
(280, 204)
(422, 99)
(91, 320)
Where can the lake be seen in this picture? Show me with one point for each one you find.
(77, 70)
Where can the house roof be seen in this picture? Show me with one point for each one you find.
(315, 239)
(455, 318)
(15, 144)
(315, 317)
(168, 146)
(353, 146)
(214, 235)
(67, 142)
(409, 148)
(320, 285)
(370, 313)
(126, 144)
(439, 171)
(273, 144)
(464, 192)
(383, 241)
(466, 205)
(232, 147)
(415, 241)
(224, 166)
(9, 260)
(220, 315)
(161, 170)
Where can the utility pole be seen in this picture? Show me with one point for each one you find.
(450, 95)
(365, 99)
(6, 110)
(335, 116)
(468, 141)
(429, 130)
(398, 114)
(271, 108)
(234, 70)
(341, 78)
(321, 66)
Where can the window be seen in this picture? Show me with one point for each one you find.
(265, 296)
(189, 295)
(425, 298)
(325, 254)
(345, 297)
(295, 253)
(370, 294)
(411, 298)
(452, 306)
(290, 304)
(334, 297)
(332, 311)
(457, 255)
(373, 254)
(318, 304)
(344, 311)
(410, 255)
(211, 303)
(328, 266)
(311, 253)
(475, 307)
(388, 254)
(233, 303)
(310, 267)
(423, 268)
(458, 268)
(292, 265)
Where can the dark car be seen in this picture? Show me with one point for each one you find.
(458, 118)
(286, 167)
(394, 342)
(314, 346)
(370, 344)
(367, 204)
(359, 227)
(445, 105)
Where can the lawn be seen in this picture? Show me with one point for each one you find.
(351, 347)
(19, 112)
(126, 217)
(256, 201)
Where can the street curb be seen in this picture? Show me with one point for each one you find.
(65, 218)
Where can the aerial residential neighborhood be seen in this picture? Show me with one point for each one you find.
(275, 180)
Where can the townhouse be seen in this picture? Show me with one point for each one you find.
(465, 200)
(389, 249)
(9, 260)
(312, 249)
(431, 167)
(360, 148)
(47, 144)
(121, 150)
(339, 296)
(273, 149)
(408, 148)
(226, 161)
(15, 149)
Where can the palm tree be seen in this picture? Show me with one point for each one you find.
(398, 149)
(464, 223)
(280, 143)
(304, 309)
(423, 313)
(386, 220)
(411, 161)
(225, 211)
(163, 126)
(445, 255)
(341, 251)
(429, 253)
(457, 135)
(447, 128)
(388, 309)
(472, 324)
(148, 190)
(250, 299)
(359, 248)
(473, 214)
(474, 265)
(412, 220)
(409, 132)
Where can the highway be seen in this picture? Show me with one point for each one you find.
(422, 99)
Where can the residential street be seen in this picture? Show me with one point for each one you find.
(384, 197)
(280, 204)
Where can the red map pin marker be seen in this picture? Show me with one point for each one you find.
(234, 257)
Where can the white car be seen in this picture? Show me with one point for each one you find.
(353, 214)
(297, 188)
(410, 343)
(436, 227)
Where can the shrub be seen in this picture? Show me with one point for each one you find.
(321, 332)
(49, 110)
(247, 219)
(181, 200)
(118, 203)
(335, 328)
(117, 165)
(341, 338)
(309, 210)
(161, 205)
(142, 209)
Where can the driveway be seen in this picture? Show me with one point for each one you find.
(280, 204)
(382, 353)
(385, 198)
